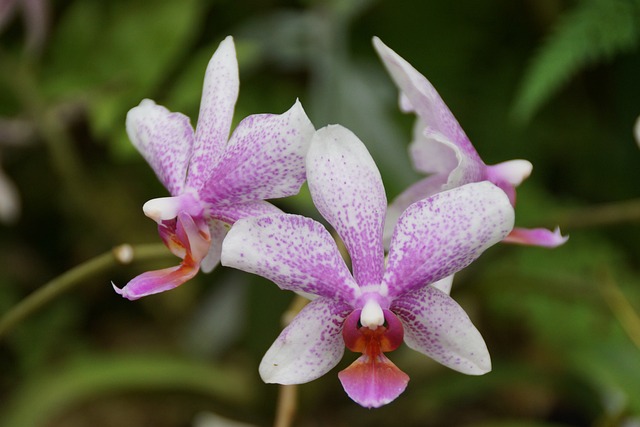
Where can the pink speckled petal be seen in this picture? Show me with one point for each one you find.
(536, 237)
(444, 233)
(426, 102)
(418, 191)
(221, 219)
(233, 212)
(373, 381)
(164, 139)
(219, 95)
(263, 160)
(309, 347)
(294, 252)
(347, 189)
(437, 326)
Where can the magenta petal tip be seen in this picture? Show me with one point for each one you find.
(536, 237)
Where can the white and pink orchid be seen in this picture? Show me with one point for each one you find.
(213, 180)
(372, 309)
(442, 149)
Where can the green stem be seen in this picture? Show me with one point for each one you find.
(123, 254)
(595, 216)
(621, 307)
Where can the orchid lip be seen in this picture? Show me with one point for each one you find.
(385, 337)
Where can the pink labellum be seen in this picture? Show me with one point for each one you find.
(185, 237)
(537, 237)
(373, 381)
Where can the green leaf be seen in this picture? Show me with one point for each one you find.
(48, 395)
(594, 31)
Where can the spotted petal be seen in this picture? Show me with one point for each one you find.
(418, 191)
(347, 189)
(294, 252)
(444, 233)
(435, 325)
(221, 219)
(219, 95)
(309, 347)
(164, 139)
(263, 160)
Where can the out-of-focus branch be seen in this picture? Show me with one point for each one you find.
(123, 254)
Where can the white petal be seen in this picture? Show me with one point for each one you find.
(444, 285)
(294, 252)
(435, 325)
(219, 95)
(512, 171)
(218, 230)
(164, 139)
(444, 233)
(347, 189)
(309, 347)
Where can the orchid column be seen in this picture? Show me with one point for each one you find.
(213, 180)
(372, 309)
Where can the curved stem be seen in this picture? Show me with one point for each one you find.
(621, 307)
(594, 216)
(288, 394)
(120, 255)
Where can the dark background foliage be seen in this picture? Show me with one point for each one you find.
(552, 81)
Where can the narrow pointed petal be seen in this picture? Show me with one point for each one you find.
(373, 381)
(164, 139)
(418, 191)
(425, 101)
(536, 237)
(294, 252)
(219, 95)
(435, 325)
(263, 160)
(153, 282)
(444, 233)
(347, 189)
(309, 347)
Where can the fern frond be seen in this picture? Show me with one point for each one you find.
(594, 31)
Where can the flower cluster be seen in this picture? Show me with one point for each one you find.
(217, 212)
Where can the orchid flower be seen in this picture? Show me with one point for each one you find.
(372, 310)
(442, 149)
(212, 182)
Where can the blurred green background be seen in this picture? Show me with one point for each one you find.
(551, 81)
